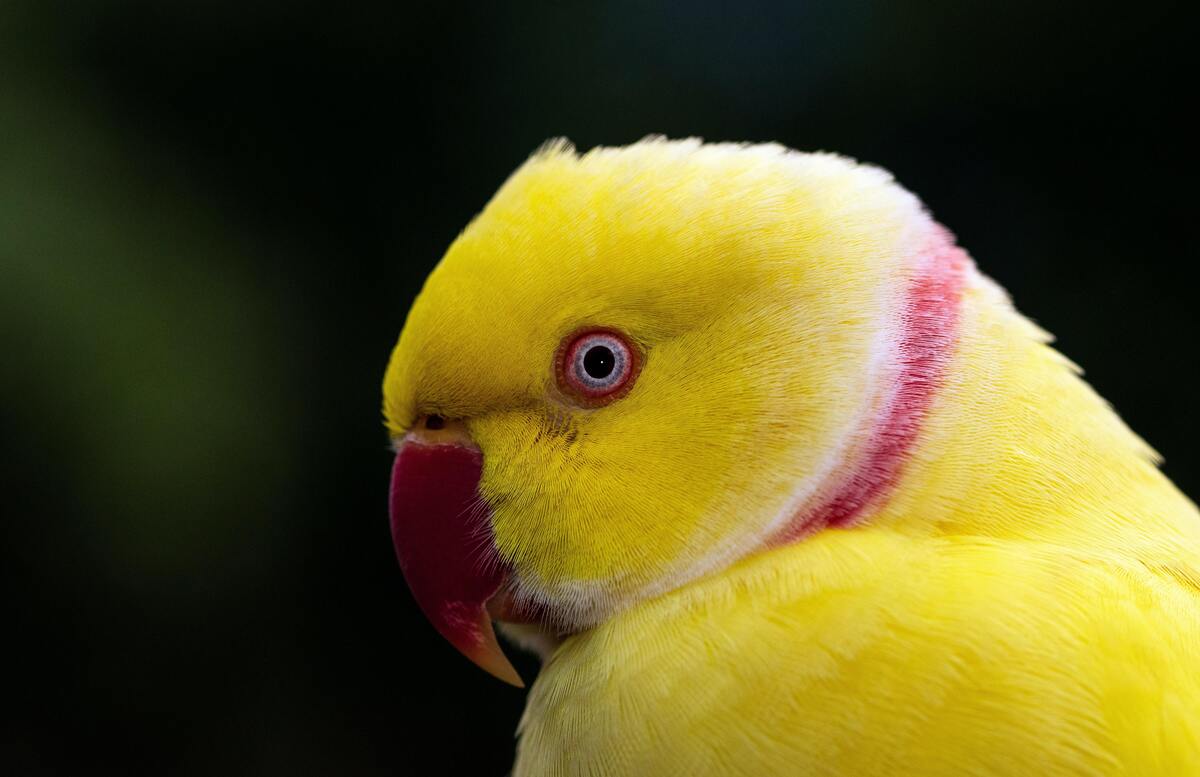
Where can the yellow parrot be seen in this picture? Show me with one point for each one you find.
(777, 483)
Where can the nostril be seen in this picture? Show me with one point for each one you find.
(435, 422)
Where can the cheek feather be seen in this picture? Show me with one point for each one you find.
(928, 329)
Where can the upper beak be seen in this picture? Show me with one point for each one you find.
(442, 532)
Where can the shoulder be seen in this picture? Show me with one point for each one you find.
(847, 648)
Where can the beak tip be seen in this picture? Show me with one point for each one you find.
(489, 656)
(503, 670)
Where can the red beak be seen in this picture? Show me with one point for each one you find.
(443, 536)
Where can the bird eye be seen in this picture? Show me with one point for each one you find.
(596, 366)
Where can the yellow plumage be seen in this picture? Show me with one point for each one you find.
(1021, 597)
(873, 652)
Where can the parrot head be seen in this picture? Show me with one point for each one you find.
(639, 365)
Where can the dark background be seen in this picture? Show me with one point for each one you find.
(214, 215)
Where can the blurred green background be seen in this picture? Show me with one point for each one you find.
(214, 215)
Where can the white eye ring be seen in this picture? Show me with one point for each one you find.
(596, 365)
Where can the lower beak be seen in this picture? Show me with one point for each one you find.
(442, 532)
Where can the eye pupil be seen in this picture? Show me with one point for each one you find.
(596, 366)
(599, 361)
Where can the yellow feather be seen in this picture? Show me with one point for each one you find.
(868, 652)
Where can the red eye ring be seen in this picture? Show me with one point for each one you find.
(595, 366)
